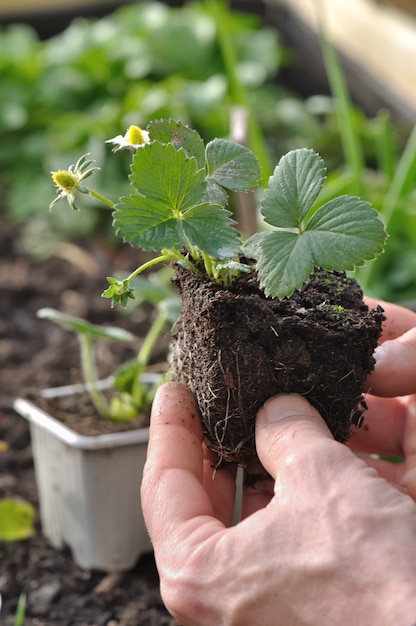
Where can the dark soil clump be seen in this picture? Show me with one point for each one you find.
(236, 348)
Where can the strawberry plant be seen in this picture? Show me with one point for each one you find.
(270, 288)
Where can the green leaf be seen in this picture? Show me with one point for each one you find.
(208, 227)
(293, 188)
(215, 193)
(251, 246)
(344, 233)
(168, 175)
(180, 136)
(126, 375)
(123, 407)
(340, 235)
(232, 165)
(83, 327)
(147, 224)
(170, 210)
(16, 520)
(280, 274)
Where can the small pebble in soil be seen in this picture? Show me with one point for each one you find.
(40, 599)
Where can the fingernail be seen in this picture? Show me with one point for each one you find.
(379, 353)
(287, 405)
(411, 408)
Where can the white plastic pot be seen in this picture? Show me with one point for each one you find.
(89, 487)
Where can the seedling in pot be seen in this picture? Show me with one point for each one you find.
(130, 394)
(178, 208)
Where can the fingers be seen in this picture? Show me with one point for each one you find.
(398, 319)
(383, 429)
(283, 425)
(392, 472)
(390, 431)
(172, 493)
(175, 426)
(409, 445)
(396, 356)
(394, 372)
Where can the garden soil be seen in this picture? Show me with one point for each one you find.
(35, 354)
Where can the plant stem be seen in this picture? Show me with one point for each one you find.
(20, 610)
(167, 255)
(159, 259)
(145, 351)
(353, 153)
(403, 176)
(208, 261)
(88, 368)
(149, 341)
(385, 149)
(101, 198)
(238, 91)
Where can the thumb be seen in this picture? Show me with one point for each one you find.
(285, 424)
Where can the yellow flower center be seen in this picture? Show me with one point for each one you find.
(65, 180)
(135, 136)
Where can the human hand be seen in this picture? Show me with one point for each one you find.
(390, 422)
(335, 544)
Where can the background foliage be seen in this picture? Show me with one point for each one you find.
(65, 96)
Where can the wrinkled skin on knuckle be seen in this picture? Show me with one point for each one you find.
(189, 588)
(213, 582)
(181, 604)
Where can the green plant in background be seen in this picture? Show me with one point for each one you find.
(237, 89)
(131, 393)
(390, 184)
(63, 96)
(20, 611)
